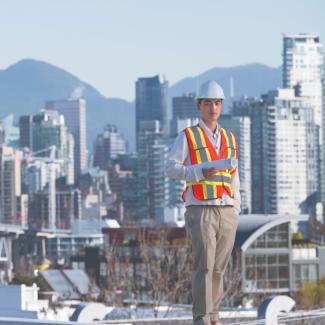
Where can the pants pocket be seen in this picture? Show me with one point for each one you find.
(192, 218)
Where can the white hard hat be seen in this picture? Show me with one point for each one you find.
(211, 90)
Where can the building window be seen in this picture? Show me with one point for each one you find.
(273, 238)
(269, 272)
(304, 273)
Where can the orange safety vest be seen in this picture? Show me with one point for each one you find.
(202, 150)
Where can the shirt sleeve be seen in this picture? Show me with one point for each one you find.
(178, 165)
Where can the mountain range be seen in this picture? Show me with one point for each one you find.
(26, 85)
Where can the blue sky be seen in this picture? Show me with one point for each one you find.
(111, 43)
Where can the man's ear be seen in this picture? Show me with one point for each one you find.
(198, 105)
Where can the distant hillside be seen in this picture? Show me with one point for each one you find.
(26, 85)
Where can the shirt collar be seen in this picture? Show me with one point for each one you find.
(207, 130)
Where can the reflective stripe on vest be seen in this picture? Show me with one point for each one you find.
(202, 150)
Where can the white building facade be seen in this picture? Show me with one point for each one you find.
(294, 154)
(74, 112)
(303, 68)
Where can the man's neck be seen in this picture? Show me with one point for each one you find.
(211, 125)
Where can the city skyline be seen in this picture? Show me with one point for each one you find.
(172, 39)
(108, 129)
(122, 202)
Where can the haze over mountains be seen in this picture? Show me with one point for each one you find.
(26, 85)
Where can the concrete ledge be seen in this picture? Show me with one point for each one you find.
(26, 321)
(150, 321)
(170, 321)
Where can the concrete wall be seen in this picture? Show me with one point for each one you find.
(167, 321)
(321, 256)
(24, 321)
(10, 297)
(17, 321)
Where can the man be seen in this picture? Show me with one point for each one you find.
(212, 200)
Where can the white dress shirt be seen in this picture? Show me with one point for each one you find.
(179, 167)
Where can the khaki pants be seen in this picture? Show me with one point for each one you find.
(212, 231)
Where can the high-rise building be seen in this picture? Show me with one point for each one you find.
(151, 103)
(303, 68)
(12, 202)
(66, 209)
(124, 186)
(185, 107)
(241, 127)
(295, 150)
(11, 131)
(74, 112)
(41, 131)
(256, 111)
(149, 132)
(108, 145)
(159, 182)
(25, 130)
(96, 195)
(303, 65)
(322, 171)
(123, 181)
(284, 151)
(35, 176)
(153, 183)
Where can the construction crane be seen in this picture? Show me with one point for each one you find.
(30, 158)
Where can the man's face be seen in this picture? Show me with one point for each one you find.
(210, 109)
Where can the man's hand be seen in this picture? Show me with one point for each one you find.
(209, 173)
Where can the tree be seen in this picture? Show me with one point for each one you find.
(232, 278)
(30, 280)
(151, 268)
(312, 294)
(168, 272)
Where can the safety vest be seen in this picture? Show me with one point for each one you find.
(202, 150)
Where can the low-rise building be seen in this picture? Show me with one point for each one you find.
(267, 257)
